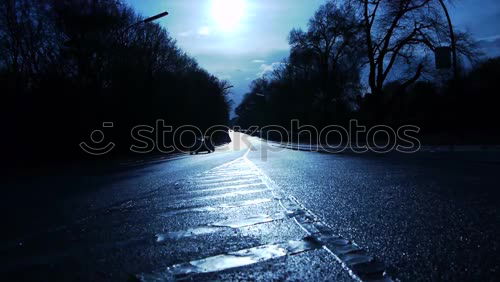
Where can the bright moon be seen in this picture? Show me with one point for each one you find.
(228, 13)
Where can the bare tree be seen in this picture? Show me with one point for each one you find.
(402, 31)
(331, 36)
(392, 29)
(27, 37)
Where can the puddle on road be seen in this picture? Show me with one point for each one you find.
(235, 259)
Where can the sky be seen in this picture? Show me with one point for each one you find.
(240, 40)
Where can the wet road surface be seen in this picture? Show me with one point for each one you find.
(259, 212)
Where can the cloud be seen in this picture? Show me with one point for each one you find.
(204, 31)
(490, 38)
(224, 77)
(490, 46)
(184, 33)
(258, 61)
(493, 41)
(267, 69)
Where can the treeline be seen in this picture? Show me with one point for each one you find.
(67, 66)
(374, 61)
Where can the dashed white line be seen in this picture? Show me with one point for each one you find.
(359, 265)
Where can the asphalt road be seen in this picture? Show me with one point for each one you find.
(258, 212)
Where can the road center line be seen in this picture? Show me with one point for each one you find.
(357, 262)
(359, 265)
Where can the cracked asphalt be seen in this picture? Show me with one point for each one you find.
(257, 212)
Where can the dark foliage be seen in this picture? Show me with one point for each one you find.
(321, 82)
(68, 65)
(462, 111)
(318, 82)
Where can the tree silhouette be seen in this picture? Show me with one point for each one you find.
(405, 32)
(319, 80)
(68, 65)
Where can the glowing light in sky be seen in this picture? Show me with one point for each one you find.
(228, 14)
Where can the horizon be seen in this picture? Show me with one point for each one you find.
(360, 141)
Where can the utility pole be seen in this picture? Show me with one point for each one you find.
(453, 40)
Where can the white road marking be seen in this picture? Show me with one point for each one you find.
(231, 260)
(212, 181)
(359, 265)
(229, 182)
(241, 186)
(239, 204)
(225, 195)
(365, 269)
